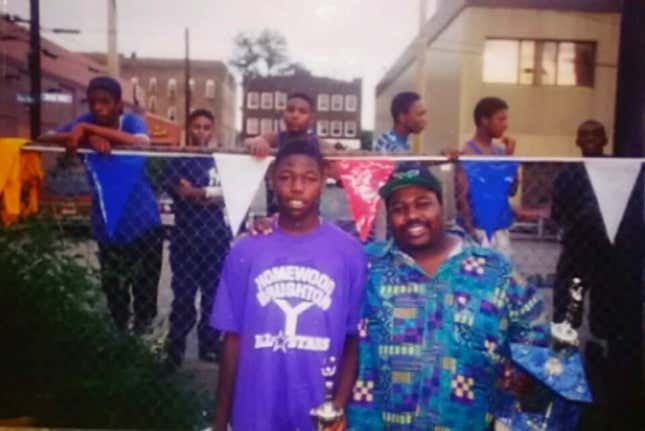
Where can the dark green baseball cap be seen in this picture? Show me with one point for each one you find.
(411, 174)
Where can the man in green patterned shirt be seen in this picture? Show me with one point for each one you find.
(438, 318)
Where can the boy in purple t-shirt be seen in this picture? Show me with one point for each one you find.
(288, 302)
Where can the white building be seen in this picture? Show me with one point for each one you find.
(554, 62)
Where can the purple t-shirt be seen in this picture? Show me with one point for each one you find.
(292, 299)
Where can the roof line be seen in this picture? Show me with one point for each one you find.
(442, 18)
(448, 11)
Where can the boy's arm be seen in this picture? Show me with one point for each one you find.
(55, 138)
(514, 187)
(364, 413)
(347, 376)
(115, 136)
(226, 382)
(225, 317)
(461, 197)
(260, 146)
(70, 135)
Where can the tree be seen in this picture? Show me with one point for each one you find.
(263, 55)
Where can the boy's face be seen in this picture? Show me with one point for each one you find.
(297, 116)
(414, 214)
(591, 139)
(496, 124)
(201, 131)
(415, 119)
(104, 107)
(298, 182)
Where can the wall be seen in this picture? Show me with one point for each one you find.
(543, 119)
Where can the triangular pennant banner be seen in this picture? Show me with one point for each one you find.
(612, 181)
(114, 177)
(361, 180)
(240, 175)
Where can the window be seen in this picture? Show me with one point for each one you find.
(172, 88)
(280, 100)
(152, 86)
(252, 126)
(322, 128)
(336, 128)
(191, 85)
(351, 102)
(266, 125)
(576, 63)
(209, 90)
(172, 113)
(134, 81)
(323, 102)
(139, 95)
(152, 104)
(539, 62)
(350, 129)
(337, 102)
(267, 101)
(252, 100)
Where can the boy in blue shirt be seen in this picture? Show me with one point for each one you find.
(200, 241)
(409, 116)
(483, 189)
(130, 257)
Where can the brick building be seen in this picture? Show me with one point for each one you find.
(159, 88)
(338, 105)
(65, 76)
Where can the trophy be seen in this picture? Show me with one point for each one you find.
(554, 403)
(564, 335)
(326, 414)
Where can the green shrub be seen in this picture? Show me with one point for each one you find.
(62, 361)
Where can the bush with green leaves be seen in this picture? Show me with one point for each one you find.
(62, 360)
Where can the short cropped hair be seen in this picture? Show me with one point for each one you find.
(487, 107)
(402, 102)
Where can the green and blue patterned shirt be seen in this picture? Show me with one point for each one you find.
(432, 348)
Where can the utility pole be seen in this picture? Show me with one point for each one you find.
(629, 133)
(187, 88)
(34, 68)
(113, 53)
(417, 140)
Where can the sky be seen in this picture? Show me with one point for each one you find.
(336, 38)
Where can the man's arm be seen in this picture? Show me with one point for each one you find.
(526, 316)
(226, 381)
(559, 197)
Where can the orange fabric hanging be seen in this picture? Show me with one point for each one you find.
(21, 176)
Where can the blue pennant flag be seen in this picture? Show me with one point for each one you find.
(567, 380)
(114, 177)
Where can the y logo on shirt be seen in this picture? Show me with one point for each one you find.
(294, 289)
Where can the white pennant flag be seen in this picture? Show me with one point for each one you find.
(613, 182)
(240, 175)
